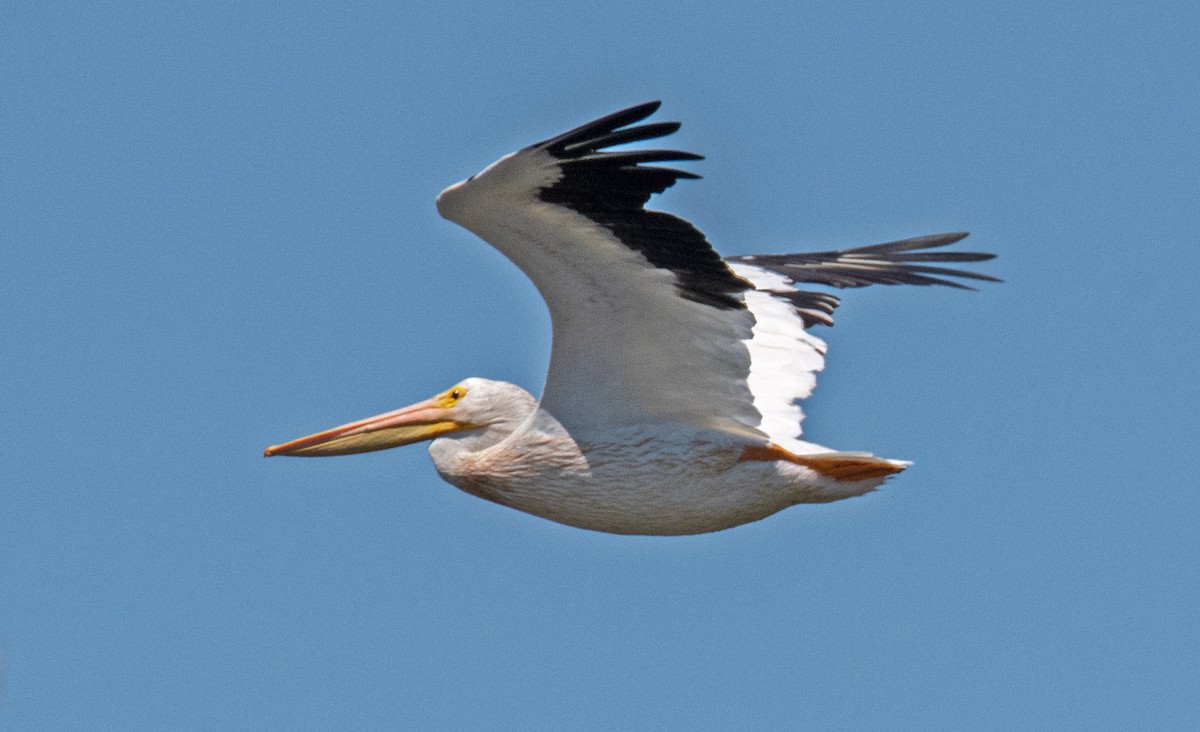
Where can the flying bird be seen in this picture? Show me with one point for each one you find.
(671, 401)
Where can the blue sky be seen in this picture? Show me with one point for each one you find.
(218, 232)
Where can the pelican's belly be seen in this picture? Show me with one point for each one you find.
(641, 483)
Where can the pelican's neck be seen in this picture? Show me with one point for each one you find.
(461, 455)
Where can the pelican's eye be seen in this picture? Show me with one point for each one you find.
(457, 393)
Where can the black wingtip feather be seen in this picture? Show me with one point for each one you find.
(633, 157)
(603, 125)
(616, 137)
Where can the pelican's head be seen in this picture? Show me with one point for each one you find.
(470, 405)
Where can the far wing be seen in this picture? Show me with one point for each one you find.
(785, 355)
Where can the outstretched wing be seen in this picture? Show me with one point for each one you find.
(649, 322)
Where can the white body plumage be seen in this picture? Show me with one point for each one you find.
(643, 479)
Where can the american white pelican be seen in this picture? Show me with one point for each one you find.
(670, 406)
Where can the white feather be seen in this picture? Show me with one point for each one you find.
(784, 359)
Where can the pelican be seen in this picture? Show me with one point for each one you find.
(671, 402)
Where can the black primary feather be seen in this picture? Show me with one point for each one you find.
(612, 188)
